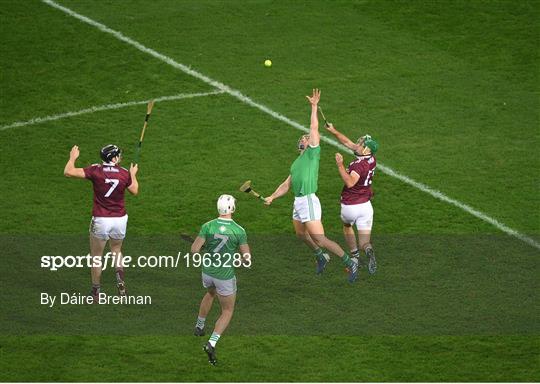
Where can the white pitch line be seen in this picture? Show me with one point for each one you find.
(237, 94)
(105, 107)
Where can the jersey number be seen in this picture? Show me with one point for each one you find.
(369, 177)
(223, 241)
(114, 184)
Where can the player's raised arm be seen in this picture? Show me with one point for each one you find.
(70, 170)
(350, 179)
(341, 137)
(314, 136)
(280, 191)
(197, 244)
(133, 188)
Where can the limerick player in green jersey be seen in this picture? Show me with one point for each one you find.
(222, 238)
(307, 211)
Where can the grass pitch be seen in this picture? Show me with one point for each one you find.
(450, 90)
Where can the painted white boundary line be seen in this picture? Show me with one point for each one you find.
(106, 107)
(237, 94)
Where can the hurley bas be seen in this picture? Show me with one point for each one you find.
(103, 298)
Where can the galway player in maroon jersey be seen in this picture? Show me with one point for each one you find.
(356, 195)
(109, 217)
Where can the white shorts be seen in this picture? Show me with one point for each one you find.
(223, 287)
(307, 208)
(106, 228)
(359, 214)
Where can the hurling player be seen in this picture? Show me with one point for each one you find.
(221, 238)
(356, 195)
(307, 211)
(109, 217)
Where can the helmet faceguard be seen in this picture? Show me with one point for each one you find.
(369, 142)
(301, 145)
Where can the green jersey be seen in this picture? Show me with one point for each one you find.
(305, 171)
(222, 238)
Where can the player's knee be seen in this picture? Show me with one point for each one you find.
(228, 311)
(301, 235)
(320, 240)
(226, 308)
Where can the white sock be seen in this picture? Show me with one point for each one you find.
(200, 322)
(214, 339)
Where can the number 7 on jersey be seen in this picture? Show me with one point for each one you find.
(114, 184)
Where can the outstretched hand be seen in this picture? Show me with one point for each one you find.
(268, 200)
(339, 159)
(74, 154)
(133, 169)
(330, 127)
(315, 97)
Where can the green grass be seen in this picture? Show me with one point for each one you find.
(450, 90)
(272, 358)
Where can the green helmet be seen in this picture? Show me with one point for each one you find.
(371, 144)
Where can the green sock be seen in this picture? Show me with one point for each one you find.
(346, 259)
(319, 254)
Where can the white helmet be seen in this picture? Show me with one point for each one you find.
(226, 204)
